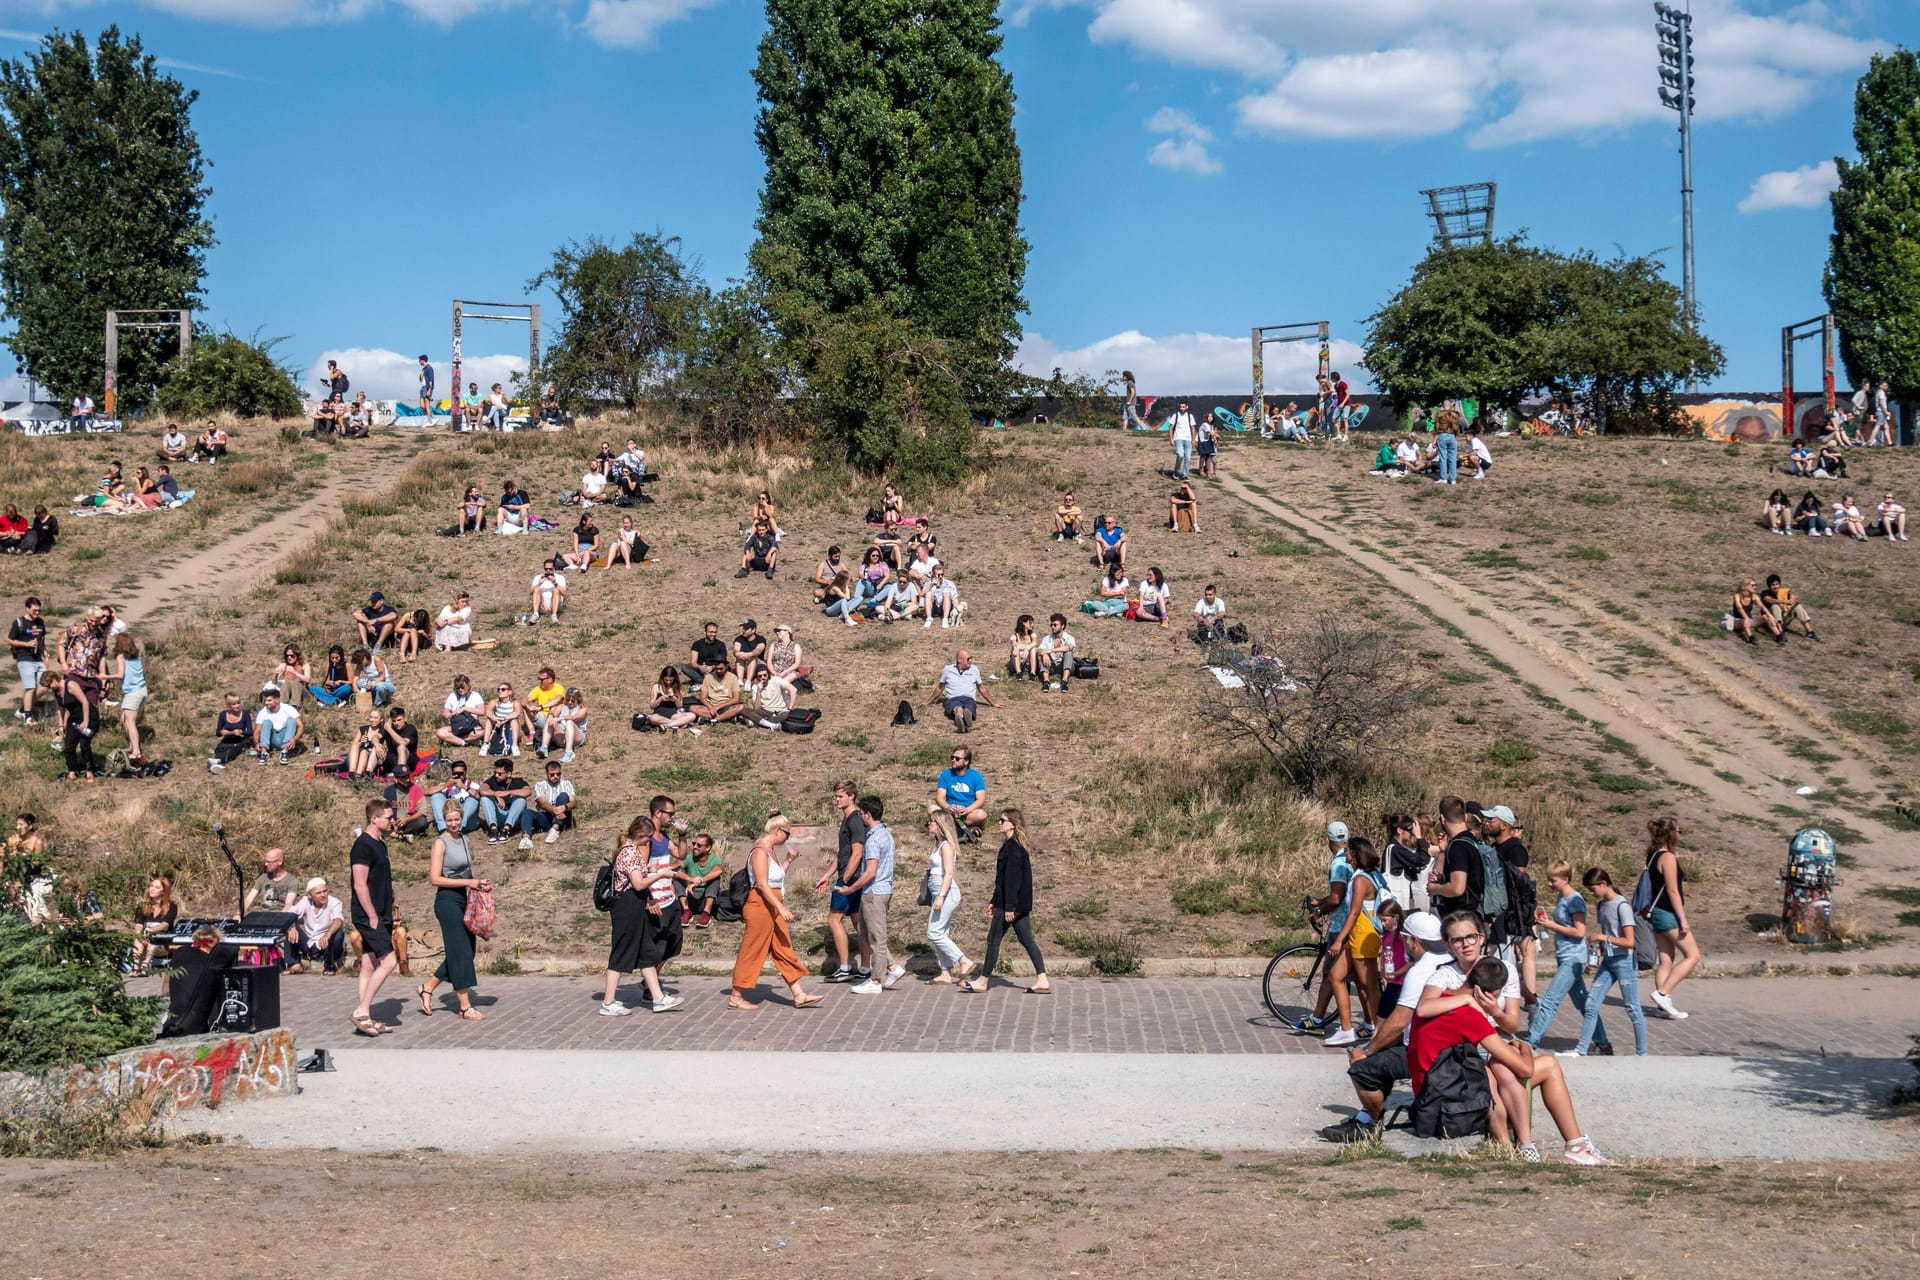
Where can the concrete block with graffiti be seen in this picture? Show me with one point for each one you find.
(156, 1081)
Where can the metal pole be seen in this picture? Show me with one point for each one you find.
(107, 399)
(1257, 413)
(1827, 340)
(456, 355)
(1787, 424)
(1686, 177)
(533, 343)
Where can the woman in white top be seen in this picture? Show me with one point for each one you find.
(568, 722)
(503, 717)
(942, 895)
(768, 920)
(1848, 520)
(1154, 596)
(293, 675)
(453, 629)
(621, 547)
(1023, 649)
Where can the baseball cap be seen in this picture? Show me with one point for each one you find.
(1423, 925)
(749, 623)
(1336, 831)
(1500, 813)
(318, 882)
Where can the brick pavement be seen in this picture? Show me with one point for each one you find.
(1764, 1017)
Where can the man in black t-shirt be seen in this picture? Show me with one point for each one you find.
(750, 653)
(27, 642)
(843, 907)
(375, 619)
(404, 751)
(762, 552)
(708, 652)
(372, 910)
(1456, 879)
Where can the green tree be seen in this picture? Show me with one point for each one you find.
(1496, 323)
(626, 315)
(228, 374)
(736, 374)
(888, 397)
(893, 174)
(1873, 267)
(102, 204)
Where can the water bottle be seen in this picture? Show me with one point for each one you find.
(1593, 958)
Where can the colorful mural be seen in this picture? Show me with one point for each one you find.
(162, 1079)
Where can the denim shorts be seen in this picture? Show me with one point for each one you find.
(1663, 920)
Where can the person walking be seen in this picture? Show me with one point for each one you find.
(450, 872)
(1012, 906)
(767, 921)
(372, 911)
(941, 894)
(1667, 913)
(843, 907)
(875, 887)
(1614, 933)
(641, 939)
(1567, 922)
(1180, 429)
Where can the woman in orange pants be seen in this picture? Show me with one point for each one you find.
(767, 918)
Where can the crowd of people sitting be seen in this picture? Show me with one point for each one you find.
(1440, 458)
(114, 494)
(1787, 517)
(899, 577)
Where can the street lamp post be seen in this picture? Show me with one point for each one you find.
(1675, 29)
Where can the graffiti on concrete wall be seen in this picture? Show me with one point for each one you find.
(204, 1073)
(1756, 421)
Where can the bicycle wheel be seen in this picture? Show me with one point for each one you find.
(1288, 988)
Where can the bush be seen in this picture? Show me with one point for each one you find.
(888, 399)
(227, 374)
(1116, 956)
(61, 999)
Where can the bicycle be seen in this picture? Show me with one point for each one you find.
(1292, 981)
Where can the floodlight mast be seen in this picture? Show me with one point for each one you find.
(1675, 30)
(1462, 215)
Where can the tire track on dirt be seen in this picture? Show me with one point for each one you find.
(1663, 738)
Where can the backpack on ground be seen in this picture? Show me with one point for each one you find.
(603, 887)
(1494, 899)
(496, 741)
(904, 715)
(1236, 633)
(1454, 1100)
(729, 903)
(800, 720)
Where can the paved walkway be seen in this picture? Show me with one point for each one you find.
(1867, 1017)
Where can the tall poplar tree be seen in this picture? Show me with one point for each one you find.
(102, 205)
(893, 175)
(1873, 267)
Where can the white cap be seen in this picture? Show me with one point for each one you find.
(318, 882)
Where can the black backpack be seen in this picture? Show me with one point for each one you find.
(1454, 1100)
(603, 894)
(904, 715)
(729, 904)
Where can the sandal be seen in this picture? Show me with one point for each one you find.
(807, 1002)
(735, 1002)
(365, 1025)
(426, 1001)
(471, 1014)
(969, 987)
(1039, 991)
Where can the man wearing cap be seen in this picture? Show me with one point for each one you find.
(1376, 1066)
(1501, 829)
(320, 932)
(1334, 908)
(750, 653)
(376, 620)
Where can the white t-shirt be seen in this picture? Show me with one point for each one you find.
(470, 704)
(1181, 425)
(1119, 584)
(278, 721)
(547, 588)
(1480, 449)
(1208, 612)
(173, 440)
(1150, 594)
(592, 483)
(1407, 453)
(1437, 969)
(315, 921)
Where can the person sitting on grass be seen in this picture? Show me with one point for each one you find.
(356, 420)
(761, 553)
(1057, 649)
(1848, 520)
(1110, 600)
(276, 727)
(1386, 462)
(375, 621)
(503, 804)
(763, 510)
(368, 749)
(1023, 649)
(412, 633)
(173, 444)
(472, 512)
(1210, 617)
(553, 800)
(546, 594)
(335, 684)
(462, 712)
(593, 484)
(1748, 609)
(211, 446)
(232, 734)
(1776, 515)
(1068, 520)
(370, 674)
(941, 596)
(887, 542)
(782, 667)
(13, 529)
(1468, 1016)
(629, 470)
(511, 515)
(669, 706)
(840, 596)
(1113, 542)
(891, 503)
(1156, 598)
(453, 627)
(543, 698)
(720, 694)
(626, 546)
(1478, 453)
(961, 791)
(1830, 465)
(1810, 517)
(586, 544)
(1184, 499)
(900, 602)
(1800, 459)
(824, 574)
(1892, 521)
(567, 723)
(921, 564)
(750, 653)
(961, 688)
(1786, 607)
(403, 745)
(1407, 454)
(705, 868)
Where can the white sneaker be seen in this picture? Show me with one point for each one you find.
(553, 835)
(526, 843)
(214, 766)
(1661, 1002)
(927, 624)
(1569, 1053)
(1340, 1039)
(893, 977)
(867, 988)
(945, 623)
(515, 751)
(667, 1002)
(614, 1010)
(1582, 1151)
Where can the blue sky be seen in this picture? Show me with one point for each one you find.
(1193, 167)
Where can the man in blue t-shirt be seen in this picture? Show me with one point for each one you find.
(426, 385)
(1113, 542)
(962, 791)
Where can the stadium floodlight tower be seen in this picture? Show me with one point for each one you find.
(1675, 29)
(1462, 215)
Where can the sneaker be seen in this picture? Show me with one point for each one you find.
(1351, 1130)
(1570, 1053)
(867, 988)
(283, 758)
(514, 751)
(1316, 1023)
(214, 766)
(614, 1010)
(553, 835)
(1340, 1039)
(526, 843)
(1663, 1003)
(1528, 1152)
(927, 624)
(1582, 1151)
(862, 972)
(769, 575)
(667, 1002)
(566, 757)
(741, 574)
(1603, 1051)
(842, 974)
(893, 976)
(945, 623)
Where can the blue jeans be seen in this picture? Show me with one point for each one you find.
(515, 815)
(270, 739)
(497, 418)
(468, 808)
(382, 690)
(1182, 457)
(1569, 978)
(1614, 969)
(1448, 456)
(939, 918)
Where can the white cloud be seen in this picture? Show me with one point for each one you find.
(1189, 362)
(622, 24)
(390, 375)
(1186, 151)
(1804, 188)
(1506, 71)
(630, 24)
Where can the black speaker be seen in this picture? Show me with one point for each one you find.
(249, 1000)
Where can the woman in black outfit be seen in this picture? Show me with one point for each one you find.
(1011, 907)
(41, 534)
(78, 743)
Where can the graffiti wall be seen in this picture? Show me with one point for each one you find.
(162, 1079)
(1756, 421)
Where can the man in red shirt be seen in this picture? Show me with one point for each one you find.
(1466, 1016)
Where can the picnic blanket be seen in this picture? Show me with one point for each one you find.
(186, 496)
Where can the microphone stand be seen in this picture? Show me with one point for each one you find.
(239, 876)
